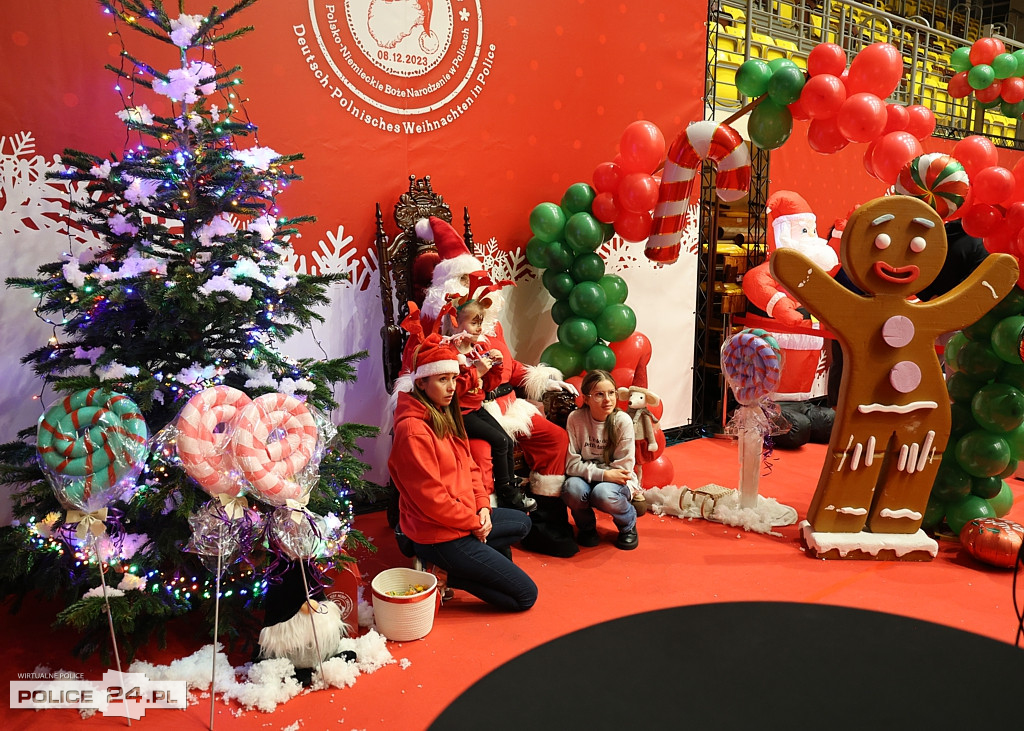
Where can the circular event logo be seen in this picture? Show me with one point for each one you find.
(391, 61)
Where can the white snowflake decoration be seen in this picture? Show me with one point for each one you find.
(502, 264)
(336, 255)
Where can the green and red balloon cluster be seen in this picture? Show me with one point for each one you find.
(994, 76)
(987, 439)
(589, 308)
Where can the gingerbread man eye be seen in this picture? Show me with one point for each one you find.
(882, 241)
(918, 244)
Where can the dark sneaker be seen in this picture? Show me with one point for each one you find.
(588, 538)
(516, 499)
(627, 540)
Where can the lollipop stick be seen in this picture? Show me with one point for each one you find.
(216, 621)
(312, 625)
(750, 442)
(110, 621)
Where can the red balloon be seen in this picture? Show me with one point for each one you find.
(868, 154)
(822, 96)
(876, 69)
(990, 93)
(896, 118)
(982, 220)
(604, 208)
(826, 58)
(607, 177)
(1000, 241)
(1013, 90)
(920, 121)
(642, 147)
(975, 153)
(824, 137)
(1015, 216)
(798, 110)
(644, 455)
(993, 185)
(637, 193)
(658, 473)
(633, 226)
(984, 50)
(958, 86)
(633, 354)
(894, 150)
(861, 117)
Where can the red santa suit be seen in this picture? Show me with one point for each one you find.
(544, 444)
(792, 225)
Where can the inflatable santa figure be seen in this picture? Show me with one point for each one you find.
(544, 444)
(791, 225)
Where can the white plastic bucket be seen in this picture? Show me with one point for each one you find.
(404, 618)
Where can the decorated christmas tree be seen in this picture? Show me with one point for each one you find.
(187, 287)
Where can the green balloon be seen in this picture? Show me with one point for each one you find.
(1015, 440)
(1004, 65)
(989, 105)
(752, 77)
(780, 63)
(577, 333)
(933, 514)
(559, 256)
(561, 311)
(1011, 304)
(599, 358)
(537, 253)
(1011, 469)
(1011, 110)
(951, 482)
(960, 59)
(547, 220)
(960, 514)
(588, 300)
(962, 387)
(1002, 502)
(980, 76)
(953, 348)
(982, 453)
(986, 487)
(962, 420)
(769, 125)
(615, 323)
(998, 407)
(578, 198)
(979, 361)
(607, 231)
(567, 360)
(583, 233)
(559, 284)
(785, 85)
(1019, 55)
(981, 331)
(1006, 338)
(615, 288)
(587, 268)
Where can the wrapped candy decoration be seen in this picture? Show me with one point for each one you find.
(993, 541)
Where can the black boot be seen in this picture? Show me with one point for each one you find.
(510, 495)
(551, 532)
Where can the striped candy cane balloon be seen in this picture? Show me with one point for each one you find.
(937, 179)
(700, 141)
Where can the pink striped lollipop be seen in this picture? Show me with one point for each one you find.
(203, 431)
(751, 363)
(271, 465)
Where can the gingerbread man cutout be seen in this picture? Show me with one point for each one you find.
(893, 420)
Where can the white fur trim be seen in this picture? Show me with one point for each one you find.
(424, 230)
(537, 378)
(293, 639)
(445, 281)
(517, 416)
(546, 485)
(774, 301)
(437, 367)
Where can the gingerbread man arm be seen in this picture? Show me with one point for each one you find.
(814, 287)
(975, 296)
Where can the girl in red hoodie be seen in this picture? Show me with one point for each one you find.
(443, 506)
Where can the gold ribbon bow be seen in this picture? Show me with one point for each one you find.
(234, 506)
(298, 508)
(88, 522)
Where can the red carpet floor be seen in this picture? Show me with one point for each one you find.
(679, 562)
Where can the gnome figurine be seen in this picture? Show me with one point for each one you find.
(289, 621)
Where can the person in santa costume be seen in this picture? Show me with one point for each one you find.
(544, 444)
(444, 508)
(791, 225)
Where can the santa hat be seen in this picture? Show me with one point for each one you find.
(456, 261)
(431, 357)
(784, 208)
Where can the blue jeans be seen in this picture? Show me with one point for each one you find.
(481, 569)
(608, 497)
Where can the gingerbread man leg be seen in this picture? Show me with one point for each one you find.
(846, 487)
(902, 494)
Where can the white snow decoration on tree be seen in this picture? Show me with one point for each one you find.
(503, 264)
